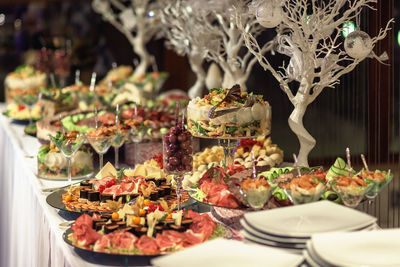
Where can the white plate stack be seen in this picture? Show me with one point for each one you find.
(373, 248)
(291, 227)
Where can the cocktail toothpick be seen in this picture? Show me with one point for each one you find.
(177, 109)
(114, 65)
(77, 77)
(62, 126)
(95, 117)
(253, 164)
(52, 80)
(364, 162)
(110, 85)
(117, 115)
(135, 110)
(296, 165)
(92, 82)
(348, 160)
(154, 64)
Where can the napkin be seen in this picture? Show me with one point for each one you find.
(232, 253)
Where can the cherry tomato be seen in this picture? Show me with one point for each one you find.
(136, 220)
(142, 212)
(115, 216)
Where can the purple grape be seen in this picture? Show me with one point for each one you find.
(189, 168)
(166, 137)
(187, 160)
(182, 137)
(174, 161)
(173, 147)
(185, 145)
(189, 150)
(179, 154)
(172, 139)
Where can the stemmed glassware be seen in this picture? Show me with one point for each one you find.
(351, 189)
(120, 136)
(29, 100)
(377, 179)
(68, 144)
(177, 155)
(255, 190)
(305, 188)
(101, 140)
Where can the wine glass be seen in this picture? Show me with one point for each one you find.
(120, 137)
(29, 100)
(177, 156)
(68, 143)
(101, 141)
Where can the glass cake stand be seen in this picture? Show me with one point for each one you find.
(228, 144)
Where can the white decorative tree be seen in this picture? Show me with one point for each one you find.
(224, 41)
(183, 33)
(318, 55)
(137, 20)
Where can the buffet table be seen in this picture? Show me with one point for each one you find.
(29, 228)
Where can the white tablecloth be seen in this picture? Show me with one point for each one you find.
(29, 227)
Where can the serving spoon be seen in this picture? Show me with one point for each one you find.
(213, 113)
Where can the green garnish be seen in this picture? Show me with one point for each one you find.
(231, 129)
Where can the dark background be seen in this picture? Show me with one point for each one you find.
(353, 114)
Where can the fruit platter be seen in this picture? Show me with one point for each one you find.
(142, 231)
(110, 190)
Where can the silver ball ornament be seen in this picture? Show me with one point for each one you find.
(269, 14)
(358, 45)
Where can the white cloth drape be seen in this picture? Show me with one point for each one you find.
(29, 227)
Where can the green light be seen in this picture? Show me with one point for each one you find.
(398, 38)
(347, 28)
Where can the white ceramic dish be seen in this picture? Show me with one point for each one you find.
(309, 259)
(311, 252)
(254, 232)
(271, 243)
(302, 221)
(368, 248)
(223, 252)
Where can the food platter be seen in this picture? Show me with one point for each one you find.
(156, 232)
(54, 199)
(82, 177)
(109, 259)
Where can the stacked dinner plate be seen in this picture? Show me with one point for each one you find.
(374, 248)
(291, 227)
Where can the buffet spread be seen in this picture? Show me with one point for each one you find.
(151, 208)
(196, 166)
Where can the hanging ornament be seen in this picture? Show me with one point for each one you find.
(358, 45)
(268, 13)
(128, 18)
(214, 77)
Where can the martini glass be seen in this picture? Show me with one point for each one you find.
(119, 139)
(101, 144)
(352, 196)
(29, 100)
(68, 144)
